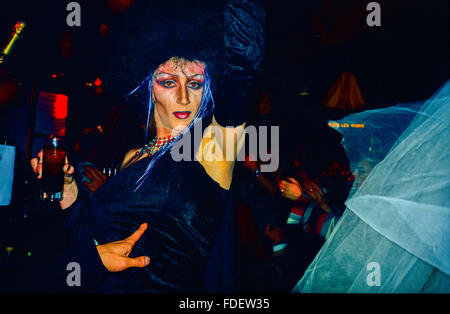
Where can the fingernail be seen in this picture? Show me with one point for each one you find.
(147, 260)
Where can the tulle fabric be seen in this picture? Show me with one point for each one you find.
(341, 264)
(397, 214)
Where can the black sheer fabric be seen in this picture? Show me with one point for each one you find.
(236, 89)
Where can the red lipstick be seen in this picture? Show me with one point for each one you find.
(182, 114)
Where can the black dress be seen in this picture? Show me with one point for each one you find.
(183, 206)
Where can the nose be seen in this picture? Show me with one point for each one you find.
(183, 96)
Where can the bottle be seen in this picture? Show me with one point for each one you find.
(16, 34)
(9, 86)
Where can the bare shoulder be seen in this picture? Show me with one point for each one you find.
(218, 151)
(129, 156)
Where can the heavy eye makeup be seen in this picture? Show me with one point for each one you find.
(167, 83)
(171, 84)
(195, 84)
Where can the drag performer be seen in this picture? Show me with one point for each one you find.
(199, 63)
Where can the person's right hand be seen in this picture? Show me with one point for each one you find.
(70, 191)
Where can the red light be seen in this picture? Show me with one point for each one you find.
(98, 82)
(60, 109)
(54, 75)
(117, 6)
(103, 29)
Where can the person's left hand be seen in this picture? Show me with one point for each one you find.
(316, 193)
(114, 255)
(96, 177)
(290, 189)
(313, 190)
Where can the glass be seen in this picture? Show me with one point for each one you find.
(53, 160)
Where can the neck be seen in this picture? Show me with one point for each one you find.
(163, 132)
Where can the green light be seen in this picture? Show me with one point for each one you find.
(304, 93)
(29, 254)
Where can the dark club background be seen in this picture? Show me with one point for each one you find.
(309, 44)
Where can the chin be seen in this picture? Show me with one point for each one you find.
(180, 125)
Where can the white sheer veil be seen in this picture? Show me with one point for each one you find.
(397, 222)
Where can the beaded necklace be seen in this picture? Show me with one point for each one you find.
(155, 145)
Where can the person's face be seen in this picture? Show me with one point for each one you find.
(177, 93)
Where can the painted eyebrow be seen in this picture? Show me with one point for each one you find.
(197, 76)
(201, 76)
(164, 73)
